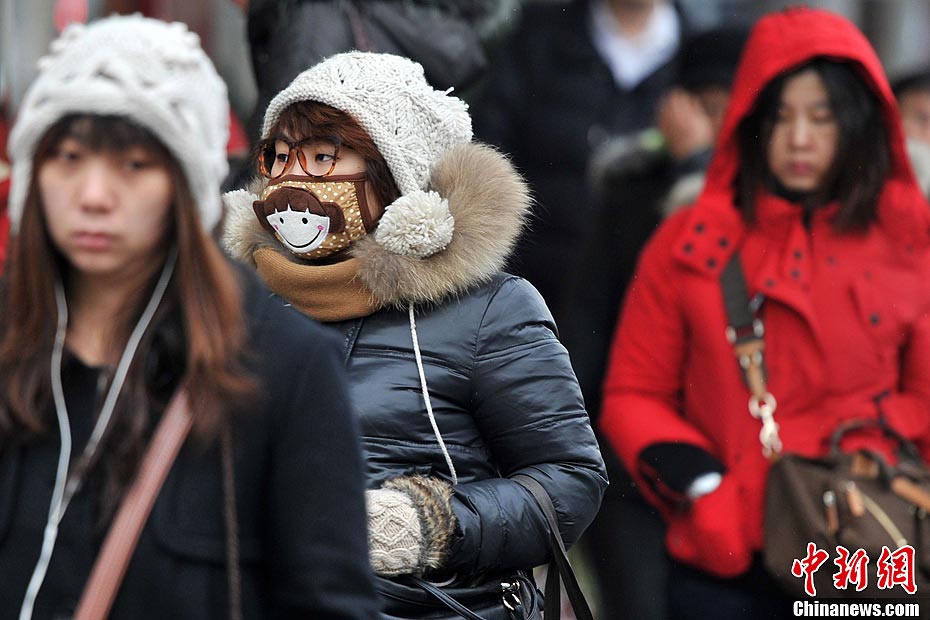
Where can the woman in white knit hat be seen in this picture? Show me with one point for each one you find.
(376, 213)
(116, 297)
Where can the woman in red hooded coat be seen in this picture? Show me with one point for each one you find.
(811, 185)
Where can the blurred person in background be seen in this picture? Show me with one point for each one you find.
(632, 177)
(571, 76)
(115, 297)
(912, 92)
(393, 228)
(811, 188)
(919, 154)
(913, 95)
(690, 116)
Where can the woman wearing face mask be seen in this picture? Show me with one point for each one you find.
(810, 186)
(377, 214)
(115, 297)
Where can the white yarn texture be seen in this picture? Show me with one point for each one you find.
(411, 123)
(146, 70)
(417, 225)
(395, 538)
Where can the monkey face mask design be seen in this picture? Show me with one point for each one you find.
(314, 218)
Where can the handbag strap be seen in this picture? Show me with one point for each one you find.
(445, 599)
(121, 540)
(745, 332)
(559, 566)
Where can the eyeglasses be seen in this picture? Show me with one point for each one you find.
(316, 157)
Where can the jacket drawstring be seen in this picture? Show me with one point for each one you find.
(426, 400)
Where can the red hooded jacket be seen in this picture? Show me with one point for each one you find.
(847, 316)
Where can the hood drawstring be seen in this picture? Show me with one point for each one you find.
(426, 400)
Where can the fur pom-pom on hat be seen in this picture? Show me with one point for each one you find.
(416, 225)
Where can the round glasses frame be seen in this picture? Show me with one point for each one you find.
(295, 151)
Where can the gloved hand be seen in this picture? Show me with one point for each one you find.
(709, 535)
(410, 525)
(672, 469)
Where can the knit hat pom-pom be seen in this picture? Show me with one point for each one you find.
(418, 225)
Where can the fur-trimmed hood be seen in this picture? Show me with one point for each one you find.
(488, 200)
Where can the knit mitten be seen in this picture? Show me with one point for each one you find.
(410, 525)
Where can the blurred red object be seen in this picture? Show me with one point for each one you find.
(238, 145)
(67, 11)
(4, 189)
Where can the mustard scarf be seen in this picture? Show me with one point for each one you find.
(325, 292)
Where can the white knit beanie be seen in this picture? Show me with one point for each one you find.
(145, 70)
(410, 122)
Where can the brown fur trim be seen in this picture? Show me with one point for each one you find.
(490, 203)
(487, 197)
(433, 500)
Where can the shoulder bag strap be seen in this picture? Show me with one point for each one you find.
(121, 540)
(559, 566)
(745, 332)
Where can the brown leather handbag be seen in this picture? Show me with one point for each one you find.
(841, 502)
(849, 500)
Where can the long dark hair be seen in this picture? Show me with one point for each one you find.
(311, 119)
(863, 157)
(184, 339)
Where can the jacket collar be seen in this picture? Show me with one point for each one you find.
(709, 238)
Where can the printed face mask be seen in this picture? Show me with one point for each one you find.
(314, 218)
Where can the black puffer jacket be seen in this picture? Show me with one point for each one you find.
(501, 385)
(506, 402)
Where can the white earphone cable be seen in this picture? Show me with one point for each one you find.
(65, 489)
(64, 458)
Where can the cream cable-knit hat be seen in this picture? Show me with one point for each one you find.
(410, 122)
(148, 71)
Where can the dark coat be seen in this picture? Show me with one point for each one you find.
(501, 386)
(299, 494)
(847, 317)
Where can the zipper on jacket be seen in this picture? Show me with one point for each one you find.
(351, 339)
